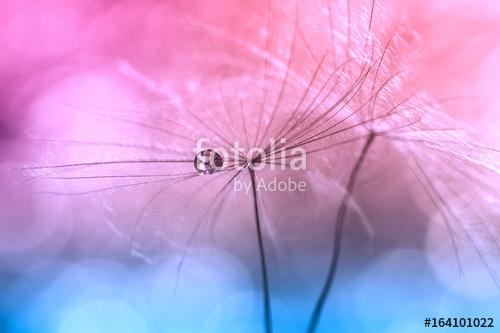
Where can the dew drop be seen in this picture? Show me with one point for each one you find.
(208, 161)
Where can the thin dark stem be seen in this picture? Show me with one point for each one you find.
(341, 216)
(265, 279)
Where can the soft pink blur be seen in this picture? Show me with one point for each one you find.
(45, 41)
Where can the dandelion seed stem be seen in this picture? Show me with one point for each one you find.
(265, 279)
(341, 216)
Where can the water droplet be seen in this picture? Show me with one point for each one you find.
(208, 161)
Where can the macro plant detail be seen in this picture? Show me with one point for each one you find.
(320, 97)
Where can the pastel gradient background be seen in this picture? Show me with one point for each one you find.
(67, 264)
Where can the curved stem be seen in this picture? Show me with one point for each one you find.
(341, 216)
